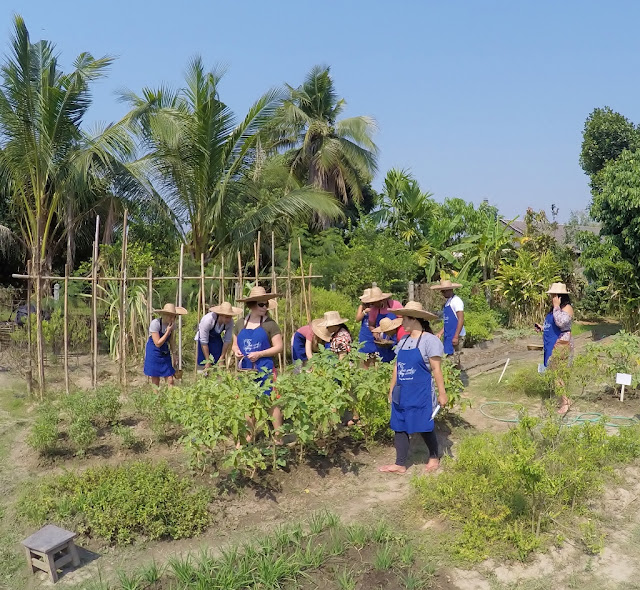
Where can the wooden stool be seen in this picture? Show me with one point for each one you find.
(50, 549)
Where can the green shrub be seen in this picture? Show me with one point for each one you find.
(529, 382)
(504, 493)
(151, 404)
(126, 435)
(44, 433)
(119, 504)
(82, 434)
(105, 405)
(480, 326)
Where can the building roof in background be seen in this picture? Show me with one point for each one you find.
(559, 233)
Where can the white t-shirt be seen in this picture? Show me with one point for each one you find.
(210, 322)
(456, 304)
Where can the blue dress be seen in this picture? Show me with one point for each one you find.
(157, 361)
(386, 353)
(299, 347)
(365, 337)
(254, 340)
(550, 335)
(412, 402)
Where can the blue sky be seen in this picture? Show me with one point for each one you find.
(479, 99)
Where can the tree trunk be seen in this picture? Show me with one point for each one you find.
(487, 291)
(109, 222)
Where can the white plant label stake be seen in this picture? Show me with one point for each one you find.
(623, 379)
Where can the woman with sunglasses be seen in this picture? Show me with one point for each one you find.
(257, 340)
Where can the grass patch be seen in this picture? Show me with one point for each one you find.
(119, 504)
(322, 553)
(505, 494)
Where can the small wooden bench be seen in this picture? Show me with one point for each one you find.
(50, 549)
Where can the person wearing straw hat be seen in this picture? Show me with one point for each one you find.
(369, 314)
(453, 331)
(411, 391)
(340, 339)
(388, 330)
(307, 339)
(211, 342)
(157, 357)
(257, 340)
(556, 333)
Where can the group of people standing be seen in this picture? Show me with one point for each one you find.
(388, 331)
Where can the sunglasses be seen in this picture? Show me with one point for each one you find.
(263, 305)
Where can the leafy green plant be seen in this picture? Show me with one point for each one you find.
(126, 435)
(44, 433)
(137, 499)
(503, 493)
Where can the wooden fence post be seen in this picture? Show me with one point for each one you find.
(180, 274)
(303, 288)
(123, 303)
(29, 342)
(94, 307)
(66, 328)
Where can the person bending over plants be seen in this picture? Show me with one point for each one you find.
(308, 339)
(157, 355)
(256, 341)
(215, 334)
(411, 391)
(556, 337)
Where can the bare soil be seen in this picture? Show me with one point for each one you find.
(347, 484)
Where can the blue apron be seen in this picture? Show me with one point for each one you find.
(387, 354)
(157, 361)
(450, 325)
(252, 340)
(215, 346)
(299, 348)
(365, 337)
(550, 335)
(412, 403)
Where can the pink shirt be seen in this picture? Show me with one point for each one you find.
(306, 331)
(373, 312)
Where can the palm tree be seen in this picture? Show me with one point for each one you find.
(338, 156)
(203, 162)
(404, 208)
(46, 161)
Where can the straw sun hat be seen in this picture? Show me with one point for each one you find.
(445, 285)
(171, 309)
(558, 289)
(375, 294)
(320, 330)
(365, 294)
(387, 325)
(258, 294)
(333, 318)
(225, 308)
(414, 309)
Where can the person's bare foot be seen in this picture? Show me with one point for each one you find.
(565, 404)
(432, 465)
(399, 469)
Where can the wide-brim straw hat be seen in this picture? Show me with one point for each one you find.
(365, 294)
(445, 285)
(558, 289)
(414, 309)
(258, 294)
(387, 325)
(333, 318)
(225, 308)
(171, 309)
(375, 295)
(320, 330)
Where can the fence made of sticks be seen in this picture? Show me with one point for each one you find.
(293, 286)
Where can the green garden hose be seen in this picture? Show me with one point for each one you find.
(578, 419)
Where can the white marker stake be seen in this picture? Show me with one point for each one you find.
(623, 379)
(504, 369)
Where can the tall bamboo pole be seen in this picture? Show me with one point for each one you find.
(39, 335)
(257, 257)
(204, 305)
(66, 328)
(149, 299)
(123, 302)
(289, 303)
(221, 286)
(29, 342)
(180, 269)
(303, 288)
(309, 296)
(274, 289)
(94, 307)
(240, 275)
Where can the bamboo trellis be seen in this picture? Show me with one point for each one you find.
(227, 284)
